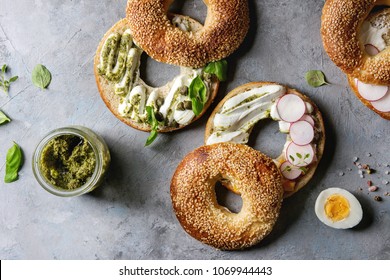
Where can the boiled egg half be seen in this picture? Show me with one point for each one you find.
(338, 208)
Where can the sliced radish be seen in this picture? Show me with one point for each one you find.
(299, 155)
(291, 108)
(372, 92)
(301, 133)
(309, 119)
(382, 104)
(290, 171)
(371, 49)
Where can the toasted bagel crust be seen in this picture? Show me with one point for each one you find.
(352, 84)
(320, 128)
(340, 24)
(113, 100)
(195, 203)
(225, 28)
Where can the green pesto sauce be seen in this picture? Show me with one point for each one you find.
(67, 161)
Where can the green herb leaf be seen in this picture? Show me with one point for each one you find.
(13, 162)
(292, 158)
(4, 83)
(4, 118)
(218, 68)
(303, 169)
(299, 155)
(4, 68)
(307, 156)
(315, 78)
(198, 94)
(154, 124)
(41, 76)
(13, 79)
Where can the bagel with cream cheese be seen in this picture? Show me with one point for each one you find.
(225, 28)
(235, 116)
(346, 35)
(116, 68)
(194, 200)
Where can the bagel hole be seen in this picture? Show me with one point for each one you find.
(227, 198)
(157, 74)
(195, 9)
(267, 138)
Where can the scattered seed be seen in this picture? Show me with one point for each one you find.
(355, 159)
(360, 172)
(373, 189)
(385, 182)
(349, 169)
(378, 198)
(386, 194)
(369, 183)
(341, 173)
(368, 154)
(387, 172)
(362, 176)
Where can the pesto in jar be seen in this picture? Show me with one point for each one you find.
(67, 161)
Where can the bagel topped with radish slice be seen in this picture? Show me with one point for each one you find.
(235, 116)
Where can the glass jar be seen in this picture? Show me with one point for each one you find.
(100, 150)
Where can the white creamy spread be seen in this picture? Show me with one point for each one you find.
(373, 35)
(241, 112)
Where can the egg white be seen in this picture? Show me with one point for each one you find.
(355, 214)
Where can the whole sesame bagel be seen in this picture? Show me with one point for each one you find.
(225, 28)
(353, 83)
(234, 118)
(342, 36)
(120, 93)
(195, 203)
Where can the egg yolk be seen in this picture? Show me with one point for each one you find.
(337, 207)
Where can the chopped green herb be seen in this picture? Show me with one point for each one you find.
(315, 78)
(153, 123)
(299, 155)
(198, 94)
(218, 68)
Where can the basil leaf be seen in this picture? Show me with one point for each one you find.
(218, 68)
(4, 68)
(4, 118)
(13, 79)
(315, 78)
(13, 162)
(198, 95)
(41, 76)
(153, 123)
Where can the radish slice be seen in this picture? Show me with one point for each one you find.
(291, 108)
(372, 92)
(299, 155)
(309, 119)
(371, 49)
(301, 133)
(382, 104)
(290, 171)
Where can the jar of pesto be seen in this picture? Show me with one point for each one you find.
(71, 161)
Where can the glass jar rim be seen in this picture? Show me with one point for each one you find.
(69, 130)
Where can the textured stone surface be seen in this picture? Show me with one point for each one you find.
(130, 217)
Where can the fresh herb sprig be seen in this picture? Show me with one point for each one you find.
(13, 163)
(4, 83)
(41, 76)
(315, 78)
(153, 123)
(218, 68)
(4, 118)
(198, 94)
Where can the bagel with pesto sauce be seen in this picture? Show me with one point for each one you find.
(235, 116)
(117, 73)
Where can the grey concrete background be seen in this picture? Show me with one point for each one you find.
(130, 217)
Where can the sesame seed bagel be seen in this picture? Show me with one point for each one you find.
(195, 203)
(225, 28)
(353, 85)
(113, 100)
(291, 186)
(341, 24)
